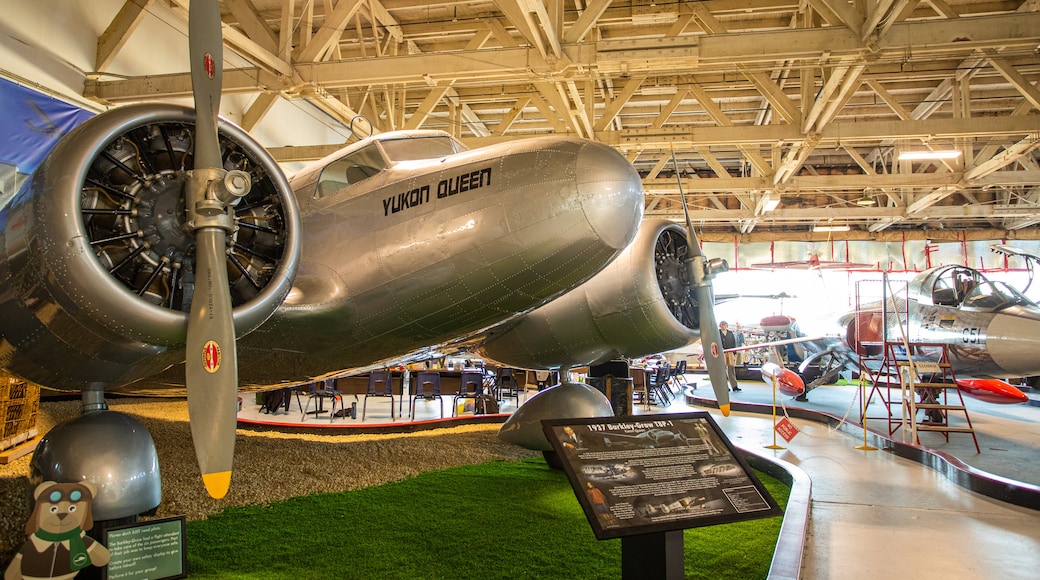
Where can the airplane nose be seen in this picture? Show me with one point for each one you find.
(611, 193)
(1012, 342)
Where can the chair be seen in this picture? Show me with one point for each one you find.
(471, 386)
(379, 385)
(641, 379)
(679, 373)
(272, 401)
(433, 379)
(673, 384)
(507, 385)
(326, 390)
(659, 385)
(544, 379)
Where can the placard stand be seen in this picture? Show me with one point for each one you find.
(646, 479)
(653, 556)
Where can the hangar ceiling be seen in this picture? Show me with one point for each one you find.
(783, 115)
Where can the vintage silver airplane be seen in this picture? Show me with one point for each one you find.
(152, 253)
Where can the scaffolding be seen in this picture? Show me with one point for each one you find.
(916, 384)
(913, 380)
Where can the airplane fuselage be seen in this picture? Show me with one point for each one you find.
(393, 249)
(981, 344)
(428, 251)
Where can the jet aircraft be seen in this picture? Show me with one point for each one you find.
(158, 247)
(990, 330)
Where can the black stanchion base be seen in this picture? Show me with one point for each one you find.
(553, 460)
(656, 556)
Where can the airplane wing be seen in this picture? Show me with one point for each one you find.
(1013, 251)
(797, 340)
(812, 265)
(1030, 259)
(723, 298)
(638, 305)
(833, 357)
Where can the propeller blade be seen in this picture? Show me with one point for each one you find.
(206, 49)
(211, 360)
(700, 276)
(211, 365)
(711, 340)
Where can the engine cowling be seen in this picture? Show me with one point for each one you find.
(640, 304)
(864, 332)
(96, 266)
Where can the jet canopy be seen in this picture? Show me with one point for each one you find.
(966, 288)
(993, 296)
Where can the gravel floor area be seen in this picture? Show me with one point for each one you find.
(268, 466)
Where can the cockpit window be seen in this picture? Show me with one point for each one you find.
(345, 171)
(990, 296)
(415, 148)
(954, 285)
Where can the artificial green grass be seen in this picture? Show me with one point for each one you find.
(494, 520)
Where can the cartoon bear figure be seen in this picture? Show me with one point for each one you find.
(58, 546)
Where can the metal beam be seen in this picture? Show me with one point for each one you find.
(256, 111)
(576, 33)
(615, 106)
(330, 31)
(525, 64)
(119, 30)
(252, 24)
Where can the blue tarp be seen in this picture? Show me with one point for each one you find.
(31, 123)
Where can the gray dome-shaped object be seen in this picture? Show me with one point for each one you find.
(111, 450)
(564, 401)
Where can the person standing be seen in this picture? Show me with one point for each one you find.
(729, 340)
(738, 337)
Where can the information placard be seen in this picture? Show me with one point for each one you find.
(152, 550)
(654, 473)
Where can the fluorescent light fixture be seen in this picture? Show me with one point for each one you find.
(658, 90)
(770, 202)
(653, 15)
(927, 155)
(844, 228)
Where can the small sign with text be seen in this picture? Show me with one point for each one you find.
(786, 429)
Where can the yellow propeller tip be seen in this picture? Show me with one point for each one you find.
(725, 410)
(217, 484)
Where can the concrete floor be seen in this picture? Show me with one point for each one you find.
(1008, 435)
(876, 514)
(873, 514)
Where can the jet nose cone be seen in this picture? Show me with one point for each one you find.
(1012, 342)
(611, 193)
